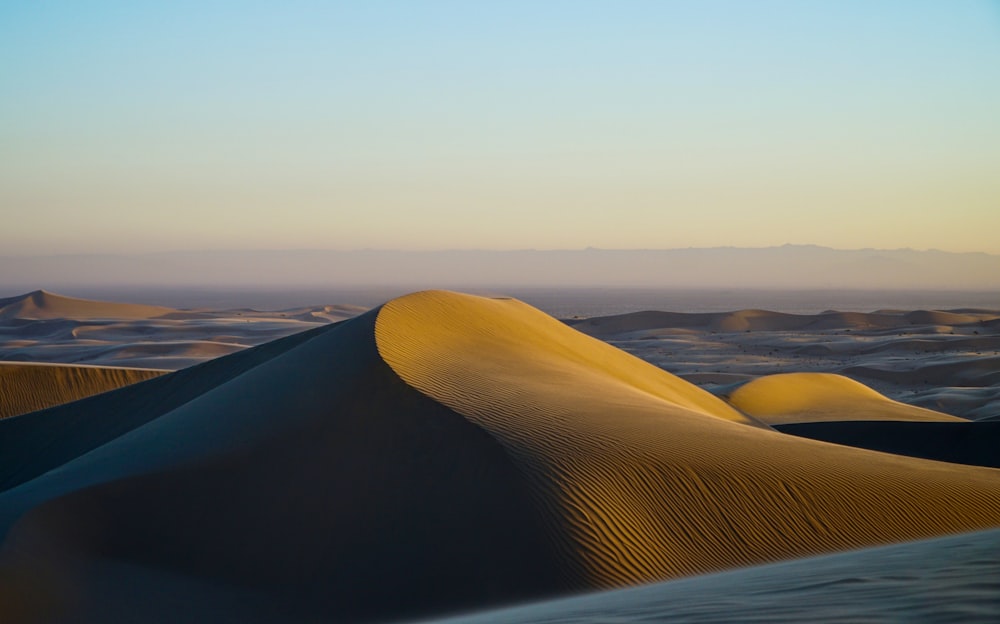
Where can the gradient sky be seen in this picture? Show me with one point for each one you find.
(140, 126)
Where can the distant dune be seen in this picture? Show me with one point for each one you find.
(765, 320)
(943, 360)
(45, 327)
(45, 305)
(440, 452)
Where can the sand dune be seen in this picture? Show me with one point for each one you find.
(30, 387)
(947, 579)
(908, 356)
(606, 479)
(44, 327)
(441, 452)
(982, 371)
(764, 320)
(45, 305)
(741, 320)
(815, 397)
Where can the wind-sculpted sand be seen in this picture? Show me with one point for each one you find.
(442, 452)
(30, 387)
(644, 484)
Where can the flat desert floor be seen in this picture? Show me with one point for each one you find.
(446, 453)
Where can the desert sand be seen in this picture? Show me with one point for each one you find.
(45, 327)
(448, 452)
(789, 398)
(946, 361)
(30, 387)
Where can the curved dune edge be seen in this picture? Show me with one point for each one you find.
(640, 486)
(790, 398)
(30, 387)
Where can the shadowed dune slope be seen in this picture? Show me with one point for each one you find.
(641, 486)
(816, 397)
(35, 443)
(314, 483)
(973, 443)
(30, 387)
(41, 304)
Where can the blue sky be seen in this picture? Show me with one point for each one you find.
(128, 126)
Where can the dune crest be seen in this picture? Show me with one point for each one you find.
(815, 397)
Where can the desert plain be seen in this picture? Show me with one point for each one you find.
(450, 455)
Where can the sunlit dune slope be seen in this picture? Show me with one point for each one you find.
(814, 397)
(639, 484)
(516, 345)
(41, 304)
(30, 387)
(441, 452)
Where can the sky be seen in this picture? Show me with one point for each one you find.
(138, 126)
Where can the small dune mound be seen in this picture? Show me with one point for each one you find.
(30, 387)
(41, 304)
(815, 397)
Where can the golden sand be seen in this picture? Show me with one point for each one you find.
(814, 397)
(642, 476)
(29, 387)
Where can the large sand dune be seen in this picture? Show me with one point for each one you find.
(441, 452)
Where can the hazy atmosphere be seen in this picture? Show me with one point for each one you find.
(137, 127)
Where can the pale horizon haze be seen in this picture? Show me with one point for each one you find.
(143, 127)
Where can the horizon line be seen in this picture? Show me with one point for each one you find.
(492, 250)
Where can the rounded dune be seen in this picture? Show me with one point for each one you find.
(815, 397)
(41, 304)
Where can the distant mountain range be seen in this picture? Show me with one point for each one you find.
(788, 266)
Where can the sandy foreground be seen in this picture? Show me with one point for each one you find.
(448, 452)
